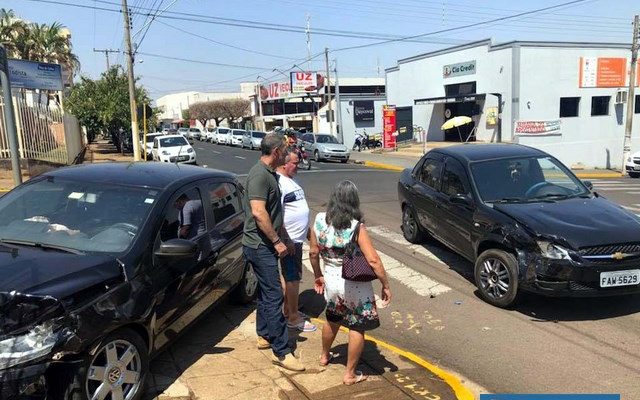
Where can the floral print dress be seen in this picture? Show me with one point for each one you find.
(351, 304)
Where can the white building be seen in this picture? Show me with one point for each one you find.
(172, 105)
(565, 98)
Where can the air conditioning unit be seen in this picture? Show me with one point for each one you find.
(621, 96)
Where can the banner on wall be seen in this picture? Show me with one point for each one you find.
(537, 128)
(601, 72)
(363, 110)
(389, 126)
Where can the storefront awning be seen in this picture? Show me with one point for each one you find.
(451, 99)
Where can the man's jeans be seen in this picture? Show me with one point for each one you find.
(270, 322)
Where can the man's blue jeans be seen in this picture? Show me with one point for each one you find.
(270, 322)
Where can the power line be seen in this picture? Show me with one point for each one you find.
(463, 27)
(201, 62)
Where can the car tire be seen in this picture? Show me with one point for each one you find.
(344, 161)
(634, 175)
(496, 276)
(247, 288)
(76, 384)
(316, 156)
(411, 229)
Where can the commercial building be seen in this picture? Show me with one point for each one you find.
(568, 99)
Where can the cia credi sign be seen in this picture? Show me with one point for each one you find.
(459, 69)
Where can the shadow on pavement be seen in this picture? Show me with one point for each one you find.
(196, 341)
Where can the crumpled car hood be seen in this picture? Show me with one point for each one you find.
(581, 222)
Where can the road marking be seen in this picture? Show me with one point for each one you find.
(387, 233)
(461, 391)
(318, 171)
(240, 157)
(200, 148)
(215, 152)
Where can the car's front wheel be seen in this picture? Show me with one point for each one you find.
(410, 226)
(634, 174)
(117, 370)
(496, 276)
(316, 156)
(247, 288)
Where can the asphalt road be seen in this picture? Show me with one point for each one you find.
(545, 345)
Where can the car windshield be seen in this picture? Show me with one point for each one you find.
(173, 142)
(258, 135)
(194, 130)
(326, 139)
(238, 133)
(525, 180)
(151, 137)
(223, 131)
(74, 216)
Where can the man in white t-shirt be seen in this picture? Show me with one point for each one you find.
(296, 223)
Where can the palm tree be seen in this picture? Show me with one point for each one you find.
(11, 27)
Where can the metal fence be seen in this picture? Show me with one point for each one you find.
(44, 133)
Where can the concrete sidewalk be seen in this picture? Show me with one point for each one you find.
(218, 359)
(398, 161)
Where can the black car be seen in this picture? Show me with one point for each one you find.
(524, 220)
(97, 274)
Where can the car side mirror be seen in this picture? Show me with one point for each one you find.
(461, 200)
(588, 184)
(177, 248)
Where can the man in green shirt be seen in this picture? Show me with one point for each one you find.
(264, 242)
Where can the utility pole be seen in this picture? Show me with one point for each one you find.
(106, 53)
(626, 151)
(132, 84)
(10, 120)
(339, 126)
(330, 115)
(308, 32)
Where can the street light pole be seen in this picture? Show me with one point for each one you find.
(330, 115)
(132, 87)
(339, 126)
(626, 151)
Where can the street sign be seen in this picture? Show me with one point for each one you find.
(304, 82)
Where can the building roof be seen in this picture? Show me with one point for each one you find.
(501, 46)
(489, 151)
(149, 174)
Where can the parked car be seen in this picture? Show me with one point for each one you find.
(252, 139)
(95, 280)
(208, 135)
(236, 137)
(325, 147)
(223, 136)
(173, 149)
(194, 134)
(632, 165)
(524, 220)
(148, 144)
(184, 132)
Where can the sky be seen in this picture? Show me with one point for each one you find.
(206, 32)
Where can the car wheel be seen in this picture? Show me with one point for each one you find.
(411, 229)
(118, 369)
(496, 276)
(247, 288)
(634, 174)
(316, 156)
(344, 161)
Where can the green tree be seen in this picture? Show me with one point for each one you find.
(103, 105)
(11, 27)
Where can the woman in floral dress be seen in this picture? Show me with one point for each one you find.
(351, 304)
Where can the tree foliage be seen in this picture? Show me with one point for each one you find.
(219, 110)
(103, 105)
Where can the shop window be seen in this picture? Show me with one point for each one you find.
(569, 106)
(600, 105)
(637, 104)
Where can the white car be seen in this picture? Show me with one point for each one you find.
(148, 146)
(208, 135)
(223, 136)
(236, 137)
(183, 131)
(632, 165)
(194, 134)
(173, 149)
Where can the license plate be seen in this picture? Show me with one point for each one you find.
(636, 167)
(620, 278)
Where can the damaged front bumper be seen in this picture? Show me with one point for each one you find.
(569, 278)
(22, 382)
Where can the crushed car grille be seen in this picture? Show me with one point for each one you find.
(610, 249)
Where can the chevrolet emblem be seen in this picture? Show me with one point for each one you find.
(619, 256)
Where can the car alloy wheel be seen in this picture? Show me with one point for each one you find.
(496, 276)
(247, 289)
(410, 228)
(116, 371)
(316, 155)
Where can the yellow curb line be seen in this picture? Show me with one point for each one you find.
(596, 175)
(461, 392)
(389, 167)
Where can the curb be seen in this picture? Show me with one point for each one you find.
(461, 392)
(598, 175)
(388, 167)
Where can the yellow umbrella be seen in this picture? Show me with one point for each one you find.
(456, 122)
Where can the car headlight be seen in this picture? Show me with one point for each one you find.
(553, 251)
(165, 153)
(20, 349)
(190, 150)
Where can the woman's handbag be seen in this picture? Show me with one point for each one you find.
(354, 264)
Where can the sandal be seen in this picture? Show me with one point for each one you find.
(360, 377)
(331, 357)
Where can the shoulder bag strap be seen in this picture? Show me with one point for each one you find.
(355, 234)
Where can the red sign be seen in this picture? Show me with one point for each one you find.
(275, 90)
(389, 124)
